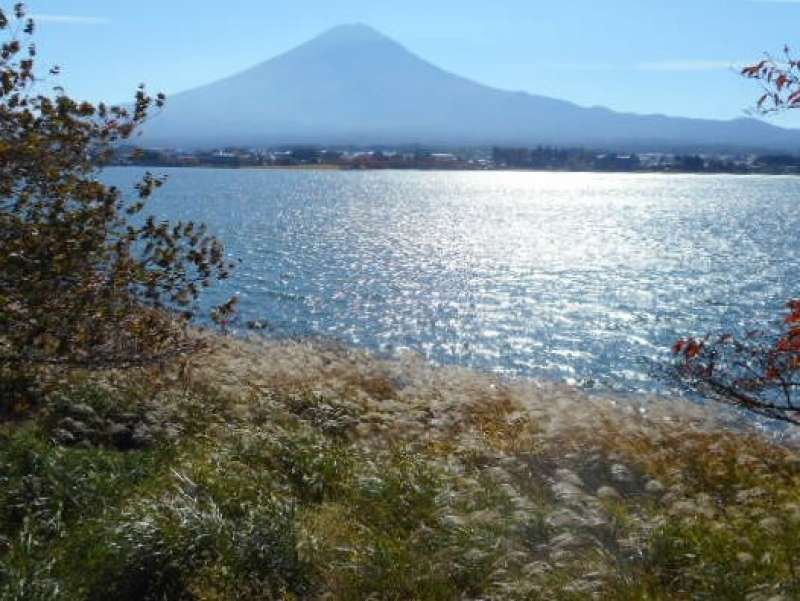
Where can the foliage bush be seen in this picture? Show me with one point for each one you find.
(759, 373)
(85, 278)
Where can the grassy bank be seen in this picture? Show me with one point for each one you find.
(289, 471)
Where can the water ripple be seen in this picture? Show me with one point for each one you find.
(584, 277)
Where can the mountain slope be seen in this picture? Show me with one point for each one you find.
(354, 85)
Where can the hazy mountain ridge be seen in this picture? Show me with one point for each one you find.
(353, 85)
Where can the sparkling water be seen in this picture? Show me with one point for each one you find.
(582, 277)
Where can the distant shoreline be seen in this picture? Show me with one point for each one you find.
(449, 169)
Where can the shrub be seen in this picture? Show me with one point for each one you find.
(760, 373)
(85, 278)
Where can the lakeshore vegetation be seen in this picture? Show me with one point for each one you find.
(141, 459)
(288, 471)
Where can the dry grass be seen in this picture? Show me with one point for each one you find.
(310, 471)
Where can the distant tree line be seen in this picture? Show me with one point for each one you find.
(538, 158)
(580, 159)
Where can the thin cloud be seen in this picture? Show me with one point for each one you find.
(660, 65)
(691, 64)
(70, 19)
(572, 66)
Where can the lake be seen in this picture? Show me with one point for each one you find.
(583, 277)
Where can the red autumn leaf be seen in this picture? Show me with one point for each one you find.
(752, 70)
(794, 308)
(790, 343)
(693, 349)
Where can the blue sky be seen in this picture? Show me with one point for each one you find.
(645, 56)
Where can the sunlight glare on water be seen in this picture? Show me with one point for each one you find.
(583, 277)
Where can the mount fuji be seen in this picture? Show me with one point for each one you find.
(354, 85)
